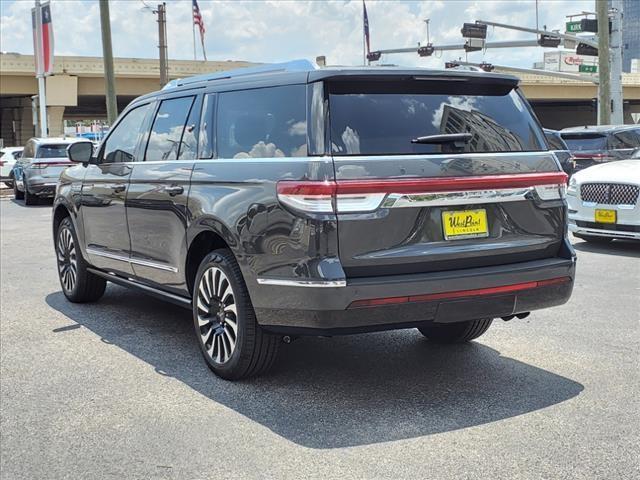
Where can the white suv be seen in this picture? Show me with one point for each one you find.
(603, 201)
(8, 157)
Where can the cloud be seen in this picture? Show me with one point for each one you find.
(271, 31)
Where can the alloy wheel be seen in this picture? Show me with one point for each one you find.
(217, 315)
(67, 259)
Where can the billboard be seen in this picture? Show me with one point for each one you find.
(569, 62)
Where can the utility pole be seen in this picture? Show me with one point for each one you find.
(107, 54)
(617, 113)
(42, 98)
(162, 44)
(604, 65)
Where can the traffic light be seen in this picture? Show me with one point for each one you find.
(451, 64)
(584, 49)
(373, 56)
(474, 30)
(548, 41)
(426, 51)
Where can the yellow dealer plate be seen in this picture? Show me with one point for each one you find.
(605, 216)
(460, 224)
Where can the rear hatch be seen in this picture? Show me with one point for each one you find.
(51, 160)
(587, 148)
(440, 173)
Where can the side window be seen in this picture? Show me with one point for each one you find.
(207, 137)
(189, 144)
(29, 151)
(627, 139)
(121, 144)
(168, 126)
(266, 122)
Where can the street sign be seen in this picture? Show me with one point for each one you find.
(588, 68)
(574, 27)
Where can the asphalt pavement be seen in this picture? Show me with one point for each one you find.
(117, 389)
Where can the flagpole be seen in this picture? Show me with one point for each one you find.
(364, 45)
(39, 54)
(193, 29)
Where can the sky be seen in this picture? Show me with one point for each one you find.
(281, 30)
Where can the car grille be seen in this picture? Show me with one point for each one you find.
(610, 193)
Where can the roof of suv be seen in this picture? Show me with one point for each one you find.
(304, 71)
(55, 140)
(598, 128)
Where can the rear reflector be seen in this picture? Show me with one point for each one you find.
(430, 297)
(345, 196)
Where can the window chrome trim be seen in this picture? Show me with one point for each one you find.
(303, 283)
(131, 260)
(463, 197)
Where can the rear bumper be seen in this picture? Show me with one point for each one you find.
(41, 189)
(438, 297)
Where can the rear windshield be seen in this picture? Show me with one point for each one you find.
(53, 151)
(585, 142)
(379, 120)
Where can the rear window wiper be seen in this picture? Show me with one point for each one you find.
(443, 138)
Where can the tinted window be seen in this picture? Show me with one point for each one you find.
(207, 137)
(168, 126)
(29, 149)
(555, 142)
(52, 151)
(578, 142)
(121, 144)
(267, 122)
(627, 139)
(17, 154)
(383, 119)
(189, 143)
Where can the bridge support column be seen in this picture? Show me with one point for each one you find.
(55, 119)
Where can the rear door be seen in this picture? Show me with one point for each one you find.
(51, 159)
(440, 174)
(157, 198)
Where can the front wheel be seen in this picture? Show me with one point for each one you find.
(78, 284)
(231, 341)
(458, 332)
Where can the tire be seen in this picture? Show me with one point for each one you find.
(78, 284)
(594, 239)
(29, 198)
(459, 332)
(17, 194)
(231, 341)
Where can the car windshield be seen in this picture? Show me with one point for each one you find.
(585, 142)
(53, 151)
(398, 118)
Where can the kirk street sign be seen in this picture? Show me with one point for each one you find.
(574, 27)
(588, 68)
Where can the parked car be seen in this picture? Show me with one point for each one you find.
(8, 157)
(36, 172)
(592, 145)
(430, 200)
(560, 149)
(603, 202)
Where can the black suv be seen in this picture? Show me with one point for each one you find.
(287, 200)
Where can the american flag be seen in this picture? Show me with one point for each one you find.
(197, 20)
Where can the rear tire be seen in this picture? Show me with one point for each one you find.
(231, 341)
(29, 199)
(459, 332)
(594, 239)
(17, 194)
(78, 284)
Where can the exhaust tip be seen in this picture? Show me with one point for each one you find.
(523, 315)
(508, 317)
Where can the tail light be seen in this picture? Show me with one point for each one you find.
(43, 165)
(349, 196)
(598, 157)
(2, 163)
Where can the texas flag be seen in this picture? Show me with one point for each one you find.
(43, 39)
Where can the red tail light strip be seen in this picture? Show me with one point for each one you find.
(459, 293)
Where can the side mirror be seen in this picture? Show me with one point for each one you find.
(80, 152)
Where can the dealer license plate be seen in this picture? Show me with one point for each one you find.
(459, 224)
(605, 216)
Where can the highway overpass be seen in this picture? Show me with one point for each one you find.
(76, 92)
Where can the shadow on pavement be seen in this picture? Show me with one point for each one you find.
(333, 392)
(623, 248)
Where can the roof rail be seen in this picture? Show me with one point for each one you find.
(292, 66)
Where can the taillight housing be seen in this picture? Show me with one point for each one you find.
(367, 195)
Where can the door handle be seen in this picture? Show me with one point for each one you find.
(118, 188)
(173, 190)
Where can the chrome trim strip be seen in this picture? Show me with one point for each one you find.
(325, 158)
(303, 283)
(430, 156)
(135, 261)
(463, 197)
